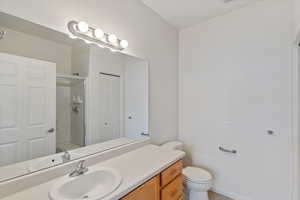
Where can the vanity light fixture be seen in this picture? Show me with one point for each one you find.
(98, 33)
(82, 27)
(124, 44)
(81, 30)
(112, 38)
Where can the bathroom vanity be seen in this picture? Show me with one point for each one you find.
(76, 123)
(148, 173)
(168, 185)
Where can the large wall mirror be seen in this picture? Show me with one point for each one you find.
(62, 99)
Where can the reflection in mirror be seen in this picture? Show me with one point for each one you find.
(62, 99)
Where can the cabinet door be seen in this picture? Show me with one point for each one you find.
(148, 191)
(174, 190)
(171, 173)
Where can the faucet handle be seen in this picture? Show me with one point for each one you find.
(79, 170)
(80, 164)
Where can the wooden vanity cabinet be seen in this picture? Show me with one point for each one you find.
(168, 185)
(171, 173)
(148, 191)
(174, 190)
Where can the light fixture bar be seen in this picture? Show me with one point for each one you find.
(89, 36)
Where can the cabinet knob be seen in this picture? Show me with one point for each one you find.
(270, 132)
(51, 130)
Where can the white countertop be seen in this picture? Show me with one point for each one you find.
(21, 168)
(135, 167)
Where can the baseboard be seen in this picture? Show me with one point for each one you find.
(230, 195)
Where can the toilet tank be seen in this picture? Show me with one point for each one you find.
(175, 145)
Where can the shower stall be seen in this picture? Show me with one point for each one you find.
(70, 112)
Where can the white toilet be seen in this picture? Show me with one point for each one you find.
(197, 180)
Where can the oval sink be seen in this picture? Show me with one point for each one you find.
(93, 185)
(50, 161)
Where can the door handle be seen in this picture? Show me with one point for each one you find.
(145, 134)
(228, 151)
(51, 130)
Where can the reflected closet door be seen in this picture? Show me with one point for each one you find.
(109, 107)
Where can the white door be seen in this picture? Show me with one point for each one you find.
(10, 111)
(27, 108)
(109, 107)
(136, 100)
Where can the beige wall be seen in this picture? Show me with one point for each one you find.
(149, 37)
(80, 55)
(22, 44)
(296, 7)
(235, 85)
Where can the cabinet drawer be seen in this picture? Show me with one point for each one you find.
(147, 191)
(174, 190)
(169, 174)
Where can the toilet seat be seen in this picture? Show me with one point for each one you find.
(197, 175)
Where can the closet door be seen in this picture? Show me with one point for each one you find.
(27, 108)
(109, 107)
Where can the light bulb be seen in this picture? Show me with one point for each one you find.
(83, 27)
(124, 44)
(112, 38)
(98, 33)
(73, 36)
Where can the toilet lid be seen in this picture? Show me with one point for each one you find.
(196, 175)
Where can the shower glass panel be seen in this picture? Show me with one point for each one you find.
(70, 113)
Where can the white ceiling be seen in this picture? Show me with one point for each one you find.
(185, 13)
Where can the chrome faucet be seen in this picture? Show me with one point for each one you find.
(79, 170)
(66, 157)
